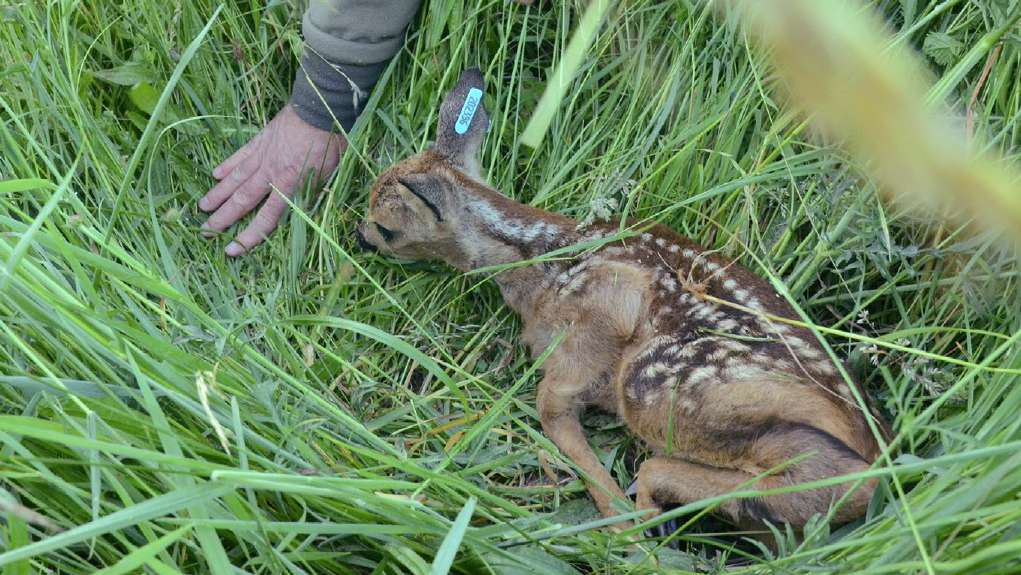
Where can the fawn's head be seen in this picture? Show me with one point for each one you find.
(434, 204)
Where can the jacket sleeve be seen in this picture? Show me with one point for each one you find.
(348, 43)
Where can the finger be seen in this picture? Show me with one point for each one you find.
(249, 194)
(228, 186)
(227, 166)
(263, 224)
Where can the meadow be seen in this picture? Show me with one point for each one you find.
(310, 408)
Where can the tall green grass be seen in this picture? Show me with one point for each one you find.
(378, 417)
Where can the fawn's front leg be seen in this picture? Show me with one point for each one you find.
(558, 413)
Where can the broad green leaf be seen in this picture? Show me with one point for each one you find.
(24, 185)
(942, 47)
(144, 97)
(128, 74)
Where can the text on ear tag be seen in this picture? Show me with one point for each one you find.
(471, 104)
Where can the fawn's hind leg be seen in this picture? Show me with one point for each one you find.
(663, 480)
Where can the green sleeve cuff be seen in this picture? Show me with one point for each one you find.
(348, 43)
(324, 90)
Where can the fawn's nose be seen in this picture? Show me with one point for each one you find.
(362, 242)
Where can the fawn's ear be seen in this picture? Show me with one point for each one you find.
(463, 122)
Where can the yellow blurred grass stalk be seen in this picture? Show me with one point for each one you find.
(562, 76)
(832, 58)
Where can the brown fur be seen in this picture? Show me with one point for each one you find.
(722, 395)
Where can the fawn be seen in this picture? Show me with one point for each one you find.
(725, 396)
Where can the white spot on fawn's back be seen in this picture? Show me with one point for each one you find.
(656, 370)
(727, 324)
(700, 374)
(826, 367)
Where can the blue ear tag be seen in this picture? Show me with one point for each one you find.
(471, 105)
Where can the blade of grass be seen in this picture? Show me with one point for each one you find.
(448, 549)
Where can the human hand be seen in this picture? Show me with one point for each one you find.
(279, 157)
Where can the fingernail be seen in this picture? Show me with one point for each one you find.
(204, 204)
(234, 249)
(217, 171)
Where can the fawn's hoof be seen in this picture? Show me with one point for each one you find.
(662, 530)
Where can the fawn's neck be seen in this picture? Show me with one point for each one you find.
(508, 232)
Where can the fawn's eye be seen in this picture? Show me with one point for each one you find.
(387, 234)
